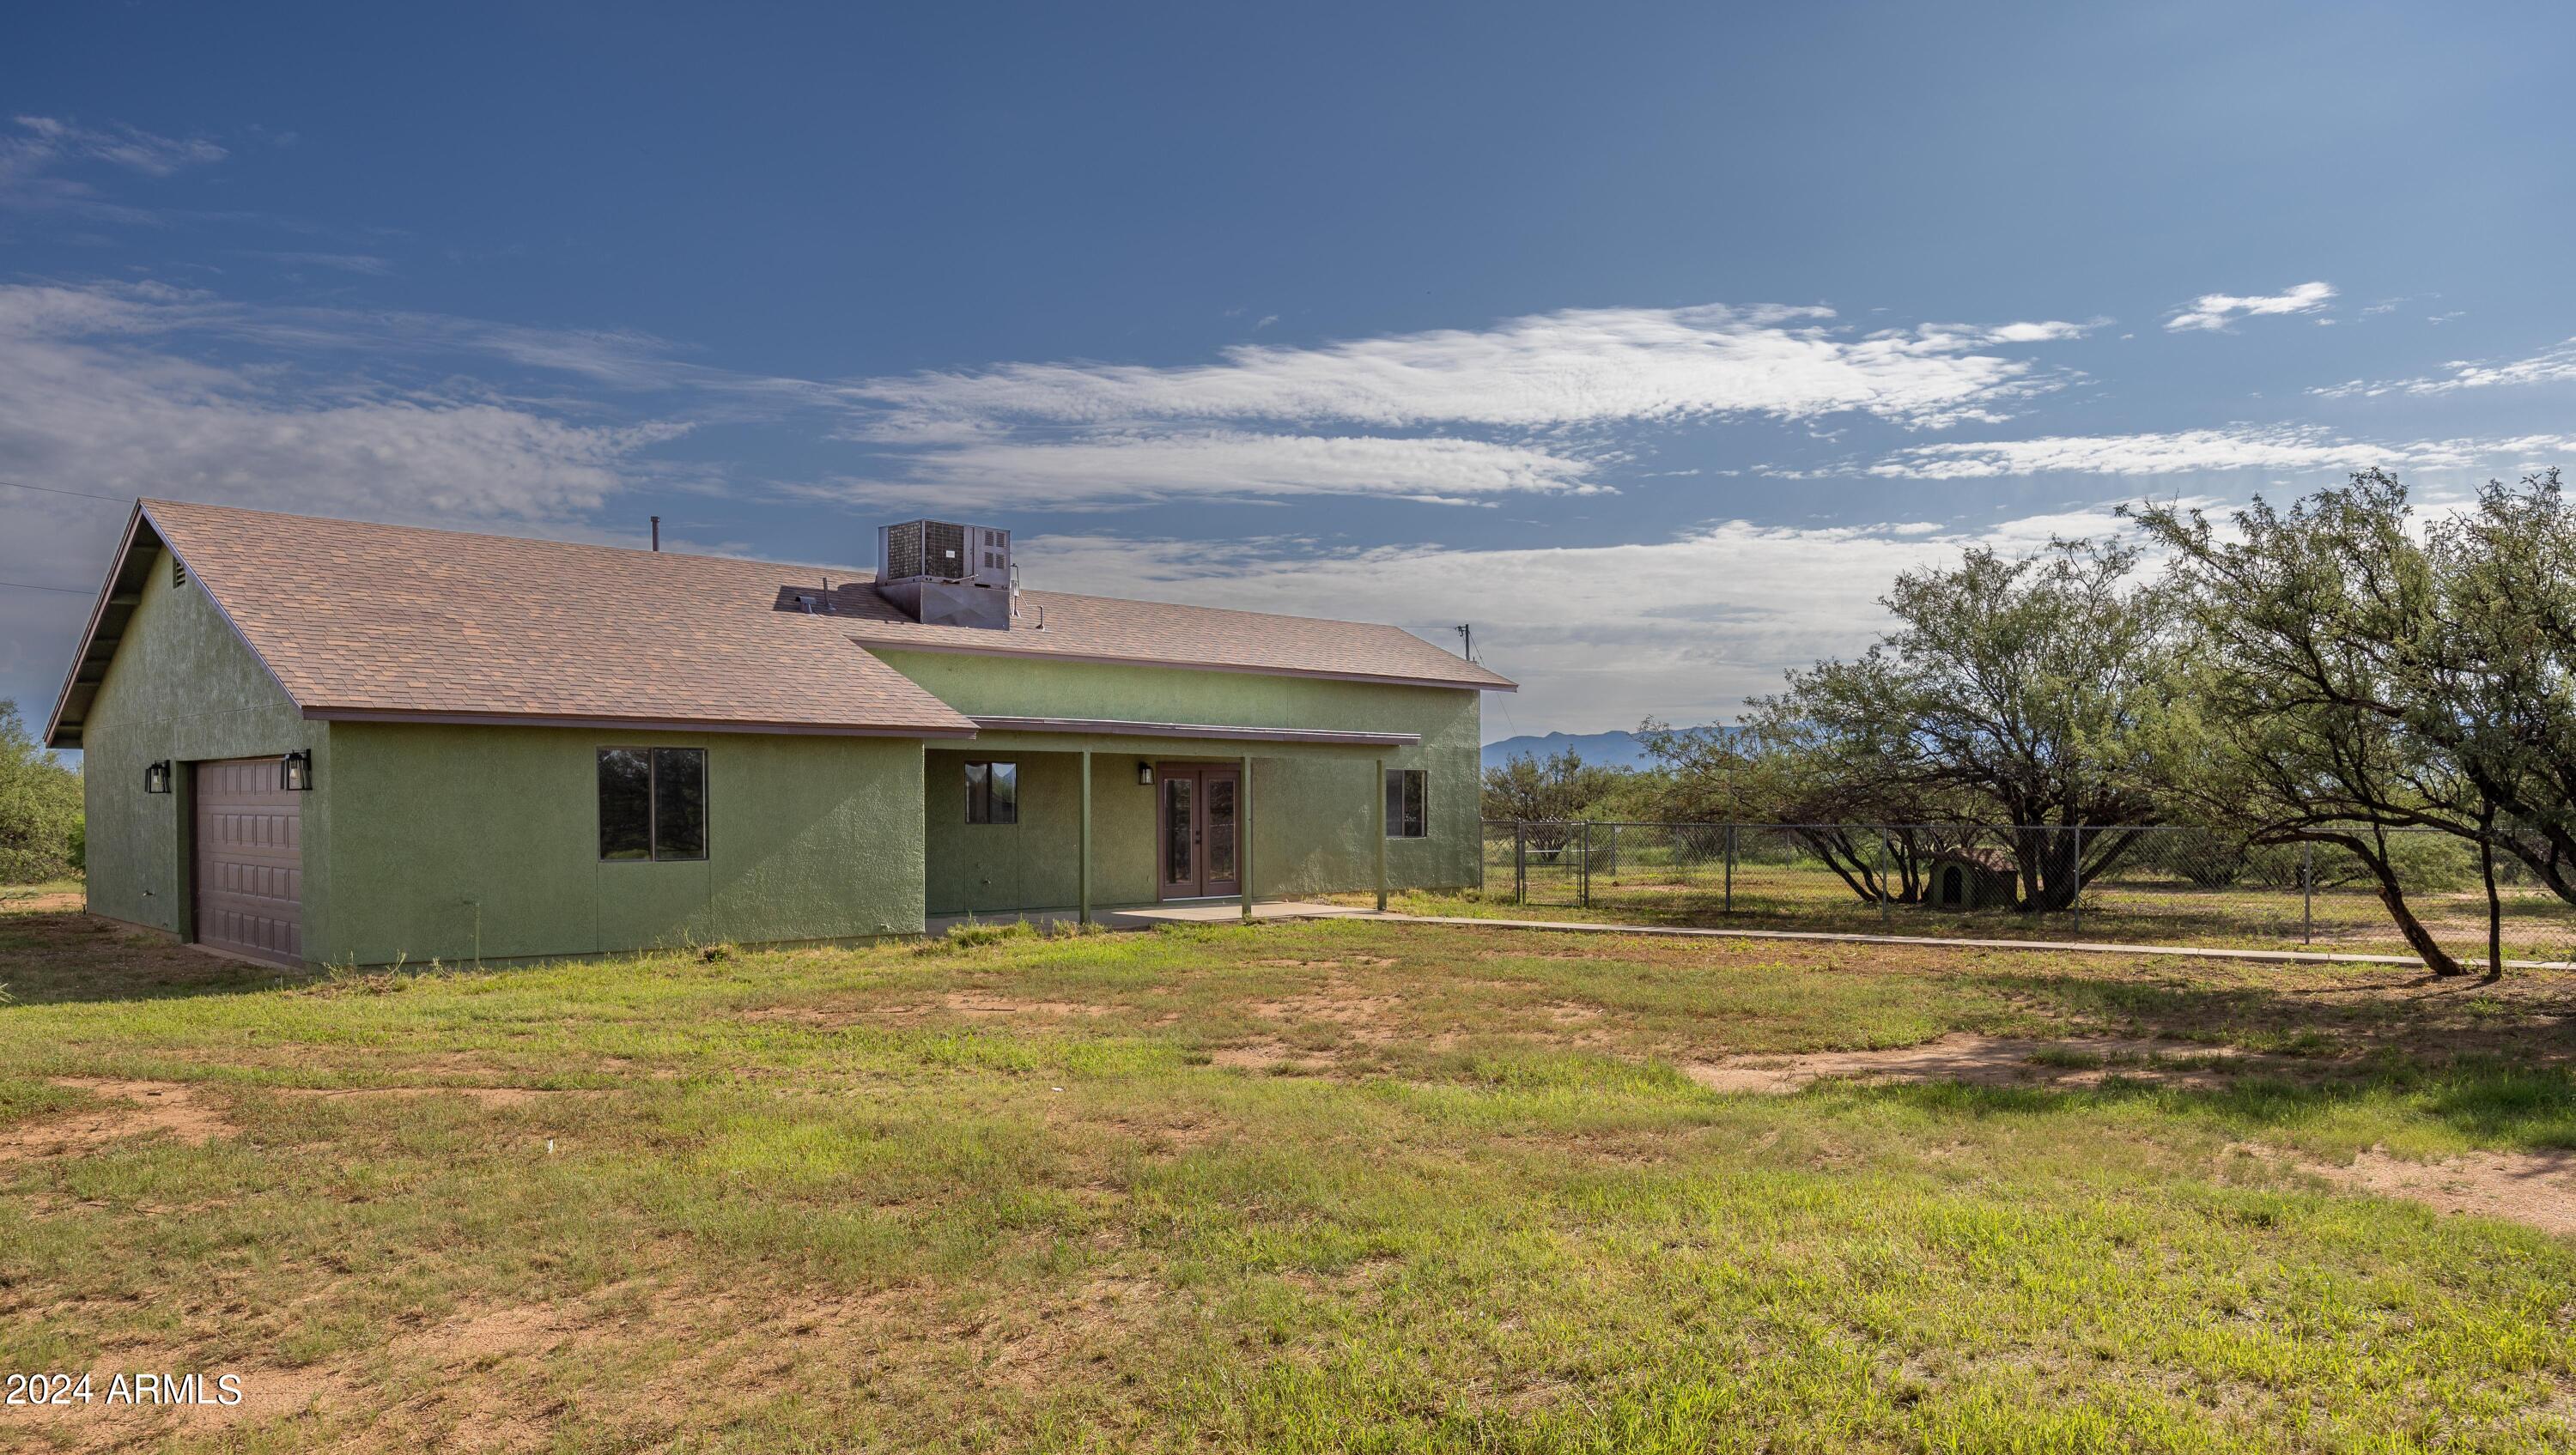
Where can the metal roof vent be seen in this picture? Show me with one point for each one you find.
(946, 574)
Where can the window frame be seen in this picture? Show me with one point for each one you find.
(981, 793)
(653, 851)
(1407, 820)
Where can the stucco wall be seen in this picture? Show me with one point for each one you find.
(182, 686)
(458, 840)
(1312, 808)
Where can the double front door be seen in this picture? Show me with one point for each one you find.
(1198, 832)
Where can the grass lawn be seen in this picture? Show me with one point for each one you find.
(1319, 1186)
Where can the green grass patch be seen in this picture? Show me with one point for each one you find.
(1328, 1186)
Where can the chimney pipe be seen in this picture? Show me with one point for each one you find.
(657, 532)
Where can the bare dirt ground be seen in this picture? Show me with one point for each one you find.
(132, 1109)
(2537, 1189)
(1982, 1061)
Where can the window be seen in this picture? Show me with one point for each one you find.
(652, 803)
(992, 793)
(1404, 815)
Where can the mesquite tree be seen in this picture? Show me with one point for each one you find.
(2304, 705)
(2012, 693)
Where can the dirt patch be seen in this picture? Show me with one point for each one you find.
(1980, 1061)
(1340, 1010)
(488, 1096)
(981, 1003)
(137, 1108)
(685, 1357)
(2536, 1189)
(1265, 1056)
(70, 901)
(1347, 962)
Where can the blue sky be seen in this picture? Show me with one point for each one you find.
(1650, 339)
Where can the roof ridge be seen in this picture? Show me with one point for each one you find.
(853, 572)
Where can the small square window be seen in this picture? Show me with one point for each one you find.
(1405, 818)
(652, 803)
(992, 793)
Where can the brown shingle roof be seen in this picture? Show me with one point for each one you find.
(356, 619)
(1112, 629)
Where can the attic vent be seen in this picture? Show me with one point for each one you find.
(178, 573)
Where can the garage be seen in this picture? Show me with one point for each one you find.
(249, 861)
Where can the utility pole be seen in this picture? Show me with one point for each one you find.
(1467, 641)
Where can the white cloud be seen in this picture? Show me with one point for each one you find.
(2050, 331)
(366, 263)
(2218, 310)
(2290, 449)
(32, 158)
(94, 405)
(1141, 467)
(2553, 365)
(1052, 435)
(1570, 368)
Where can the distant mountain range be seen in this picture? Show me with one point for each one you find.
(1609, 750)
(1606, 750)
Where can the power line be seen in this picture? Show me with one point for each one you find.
(57, 490)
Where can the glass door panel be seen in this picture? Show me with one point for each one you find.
(1180, 835)
(1219, 857)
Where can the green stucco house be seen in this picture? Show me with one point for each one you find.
(329, 742)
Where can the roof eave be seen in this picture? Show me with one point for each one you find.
(53, 737)
(1096, 659)
(961, 728)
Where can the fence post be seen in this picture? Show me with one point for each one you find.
(1882, 874)
(1520, 861)
(2307, 894)
(2075, 872)
(1730, 869)
(1584, 895)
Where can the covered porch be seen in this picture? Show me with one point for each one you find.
(1050, 819)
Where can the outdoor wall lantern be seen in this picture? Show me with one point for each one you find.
(156, 777)
(1144, 775)
(295, 772)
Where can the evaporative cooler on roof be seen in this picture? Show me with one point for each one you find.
(945, 573)
(939, 550)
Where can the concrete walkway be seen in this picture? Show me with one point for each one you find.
(1213, 912)
(1232, 912)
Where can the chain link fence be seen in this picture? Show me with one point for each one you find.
(2147, 885)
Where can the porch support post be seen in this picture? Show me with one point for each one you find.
(1243, 826)
(1379, 797)
(1082, 851)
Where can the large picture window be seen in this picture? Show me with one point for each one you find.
(992, 793)
(652, 803)
(1405, 818)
